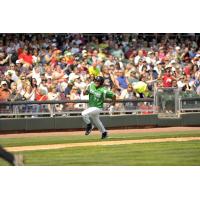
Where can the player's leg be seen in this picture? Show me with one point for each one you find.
(99, 124)
(86, 118)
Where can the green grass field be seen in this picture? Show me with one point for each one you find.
(148, 154)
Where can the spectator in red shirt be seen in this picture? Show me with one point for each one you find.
(188, 69)
(167, 78)
(40, 95)
(26, 56)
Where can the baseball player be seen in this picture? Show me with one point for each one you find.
(97, 93)
(15, 160)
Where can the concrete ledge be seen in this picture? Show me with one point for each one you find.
(75, 123)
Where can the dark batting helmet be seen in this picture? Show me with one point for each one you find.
(99, 79)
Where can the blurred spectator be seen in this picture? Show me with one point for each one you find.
(53, 95)
(75, 95)
(141, 88)
(41, 61)
(94, 70)
(121, 81)
(108, 77)
(167, 78)
(4, 91)
(15, 94)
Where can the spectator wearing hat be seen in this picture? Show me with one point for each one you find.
(151, 59)
(181, 82)
(22, 81)
(62, 85)
(177, 54)
(69, 58)
(133, 77)
(8, 78)
(177, 72)
(167, 78)
(141, 63)
(4, 91)
(75, 74)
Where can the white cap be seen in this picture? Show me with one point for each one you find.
(18, 61)
(84, 51)
(173, 62)
(76, 76)
(68, 54)
(65, 76)
(167, 66)
(150, 52)
(177, 48)
(158, 62)
(3, 82)
(197, 56)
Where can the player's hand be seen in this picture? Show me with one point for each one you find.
(111, 110)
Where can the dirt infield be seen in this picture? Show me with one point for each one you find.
(101, 143)
(117, 131)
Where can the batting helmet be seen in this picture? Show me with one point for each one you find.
(99, 79)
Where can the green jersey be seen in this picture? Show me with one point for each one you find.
(97, 95)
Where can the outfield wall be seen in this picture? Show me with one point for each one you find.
(76, 122)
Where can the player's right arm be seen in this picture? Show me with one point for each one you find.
(111, 95)
(87, 90)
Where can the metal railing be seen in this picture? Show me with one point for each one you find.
(20, 109)
(189, 104)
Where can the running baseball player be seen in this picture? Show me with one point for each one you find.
(15, 160)
(97, 93)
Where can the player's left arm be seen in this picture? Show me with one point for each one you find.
(112, 96)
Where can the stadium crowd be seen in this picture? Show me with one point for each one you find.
(60, 66)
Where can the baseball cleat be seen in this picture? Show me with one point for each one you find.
(88, 129)
(104, 135)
